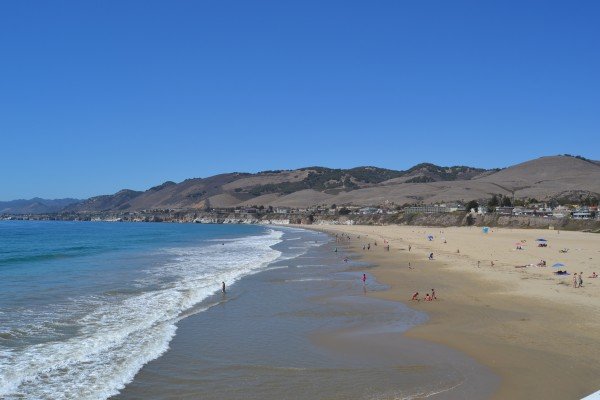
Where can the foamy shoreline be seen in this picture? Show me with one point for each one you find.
(529, 325)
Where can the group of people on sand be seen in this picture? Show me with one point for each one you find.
(428, 297)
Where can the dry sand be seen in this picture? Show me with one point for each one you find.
(537, 332)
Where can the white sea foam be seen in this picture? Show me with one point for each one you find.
(119, 333)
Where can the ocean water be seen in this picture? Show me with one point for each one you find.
(83, 306)
(134, 311)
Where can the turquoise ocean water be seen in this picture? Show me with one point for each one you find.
(83, 305)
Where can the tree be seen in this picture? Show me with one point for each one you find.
(344, 211)
(506, 202)
(472, 205)
(493, 201)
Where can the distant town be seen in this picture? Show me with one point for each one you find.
(496, 211)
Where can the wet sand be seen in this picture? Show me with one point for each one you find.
(307, 329)
(540, 335)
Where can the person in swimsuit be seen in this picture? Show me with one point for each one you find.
(223, 287)
(364, 279)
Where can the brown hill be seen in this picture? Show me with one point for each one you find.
(544, 178)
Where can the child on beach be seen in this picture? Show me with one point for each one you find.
(415, 297)
(427, 297)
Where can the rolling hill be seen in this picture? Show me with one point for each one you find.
(543, 178)
(34, 206)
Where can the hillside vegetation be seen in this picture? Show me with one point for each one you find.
(556, 177)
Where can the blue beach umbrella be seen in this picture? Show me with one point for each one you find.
(430, 237)
(485, 229)
(558, 265)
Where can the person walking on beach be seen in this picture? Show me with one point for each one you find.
(223, 288)
(575, 280)
(364, 279)
(409, 247)
(580, 280)
(433, 294)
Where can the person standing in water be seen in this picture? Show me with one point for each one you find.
(223, 288)
(364, 279)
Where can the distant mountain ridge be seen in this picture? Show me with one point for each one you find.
(35, 206)
(555, 177)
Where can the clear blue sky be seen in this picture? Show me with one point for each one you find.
(96, 96)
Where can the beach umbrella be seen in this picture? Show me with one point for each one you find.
(541, 240)
(558, 265)
(430, 237)
(485, 229)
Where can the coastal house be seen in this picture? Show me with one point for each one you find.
(369, 210)
(544, 211)
(504, 210)
(453, 207)
(561, 212)
(522, 211)
(426, 209)
(583, 213)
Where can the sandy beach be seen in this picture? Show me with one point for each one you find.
(531, 327)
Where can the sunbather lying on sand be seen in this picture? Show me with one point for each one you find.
(593, 275)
